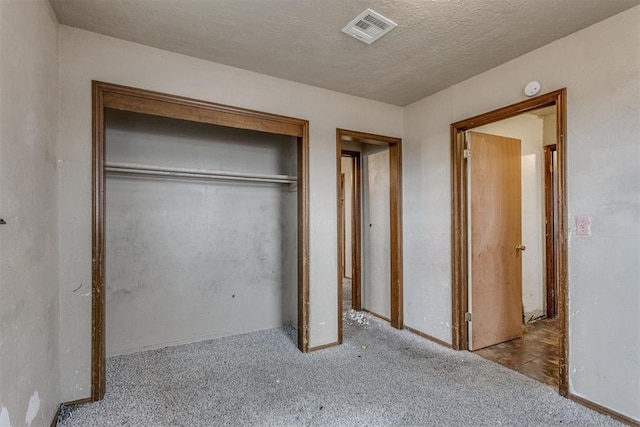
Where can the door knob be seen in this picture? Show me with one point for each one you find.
(521, 248)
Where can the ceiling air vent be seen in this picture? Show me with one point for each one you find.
(369, 26)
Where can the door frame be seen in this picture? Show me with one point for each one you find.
(395, 204)
(107, 95)
(356, 229)
(459, 220)
(550, 231)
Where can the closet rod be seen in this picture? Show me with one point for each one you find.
(147, 170)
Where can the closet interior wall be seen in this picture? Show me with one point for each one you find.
(194, 259)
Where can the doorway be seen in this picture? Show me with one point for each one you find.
(351, 226)
(489, 216)
(368, 224)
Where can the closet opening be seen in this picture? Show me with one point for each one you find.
(200, 223)
(369, 228)
(509, 237)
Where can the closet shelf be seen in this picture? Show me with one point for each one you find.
(162, 171)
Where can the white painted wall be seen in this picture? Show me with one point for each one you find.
(29, 304)
(528, 128)
(376, 223)
(599, 66)
(85, 56)
(193, 260)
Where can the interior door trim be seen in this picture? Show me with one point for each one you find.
(550, 231)
(459, 220)
(107, 95)
(395, 203)
(356, 228)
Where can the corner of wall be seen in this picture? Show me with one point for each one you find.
(29, 366)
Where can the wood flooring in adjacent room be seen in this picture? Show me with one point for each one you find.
(534, 355)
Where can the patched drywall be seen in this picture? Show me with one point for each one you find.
(29, 315)
(528, 129)
(599, 67)
(189, 260)
(85, 56)
(32, 409)
(5, 419)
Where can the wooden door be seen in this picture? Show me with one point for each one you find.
(496, 233)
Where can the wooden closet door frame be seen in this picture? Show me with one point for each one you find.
(107, 95)
(459, 220)
(395, 204)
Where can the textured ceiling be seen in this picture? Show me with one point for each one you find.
(437, 43)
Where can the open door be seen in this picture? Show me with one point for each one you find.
(495, 233)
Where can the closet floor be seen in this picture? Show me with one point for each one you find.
(534, 355)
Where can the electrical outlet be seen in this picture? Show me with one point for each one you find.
(583, 226)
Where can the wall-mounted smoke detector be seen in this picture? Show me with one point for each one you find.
(369, 26)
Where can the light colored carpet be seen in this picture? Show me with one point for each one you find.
(378, 377)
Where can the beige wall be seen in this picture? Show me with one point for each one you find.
(599, 67)
(29, 338)
(85, 56)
